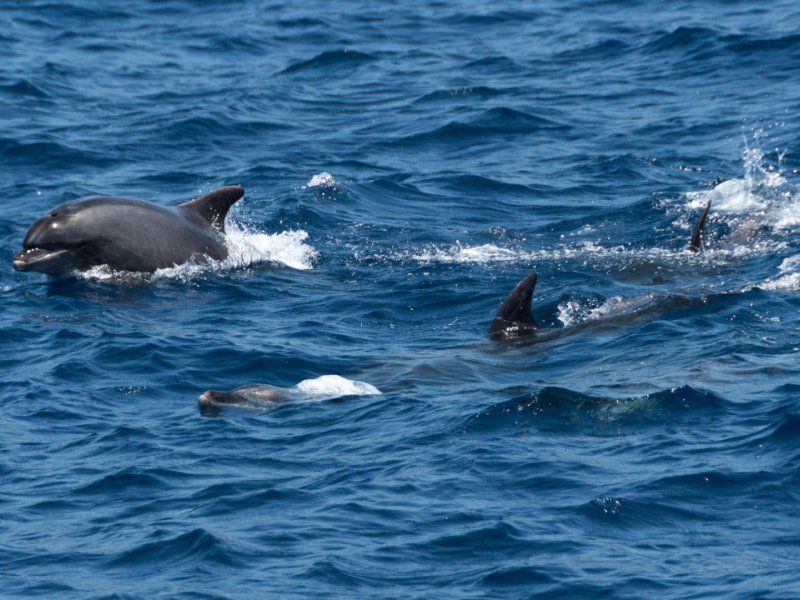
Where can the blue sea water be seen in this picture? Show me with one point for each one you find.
(405, 165)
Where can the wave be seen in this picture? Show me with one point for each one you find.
(233, 44)
(23, 88)
(301, 22)
(201, 128)
(51, 155)
(492, 63)
(464, 93)
(480, 184)
(766, 45)
(558, 408)
(601, 51)
(683, 38)
(493, 122)
(331, 59)
(638, 514)
(499, 17)
(123, 482)
(785, 432)
(196, 545)
(518, 576)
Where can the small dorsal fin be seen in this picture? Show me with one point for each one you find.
(699, 233)
(214, 206)
(514, 318)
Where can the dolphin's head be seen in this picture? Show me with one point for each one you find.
(214, 398)
(57, 244)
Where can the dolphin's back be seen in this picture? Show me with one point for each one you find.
(133, 235)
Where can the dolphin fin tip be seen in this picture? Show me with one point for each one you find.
(699, 233)
(514, 319)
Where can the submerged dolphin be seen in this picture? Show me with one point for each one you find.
(127, 234)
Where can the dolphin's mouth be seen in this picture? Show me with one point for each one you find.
(51, 262)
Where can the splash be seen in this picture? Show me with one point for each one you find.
(572, 311)
(586, 251)
(249, 248)
(575, 311)
(334, 386)
(321, 180)
(763, 188)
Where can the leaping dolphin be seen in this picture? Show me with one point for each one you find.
(127, 234)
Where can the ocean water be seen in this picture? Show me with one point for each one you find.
(405, 165)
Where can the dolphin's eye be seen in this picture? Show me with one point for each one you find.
(53, 214)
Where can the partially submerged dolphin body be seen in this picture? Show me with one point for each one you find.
(746, 234)
(326, 387)
(515, 321)
(127, 234)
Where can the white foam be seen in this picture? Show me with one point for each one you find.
(572, 312)
(249, 248)
(789, 281)
(467, 254)
(790, 265)
(734, 195)
(333, 386)
(786, 283)
(322, 179)
(585, 250)
(788, 217)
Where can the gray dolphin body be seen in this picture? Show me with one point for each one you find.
(127, 234)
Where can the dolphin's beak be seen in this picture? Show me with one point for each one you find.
(51, 262)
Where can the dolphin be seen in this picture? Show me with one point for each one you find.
(259, 395)
(746, 234)
(127, 234)
(514, 319)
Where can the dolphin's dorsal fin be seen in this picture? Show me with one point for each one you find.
(699, 233)
(214, 206)
(514, 317)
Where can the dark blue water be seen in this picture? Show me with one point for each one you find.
(406, 164)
